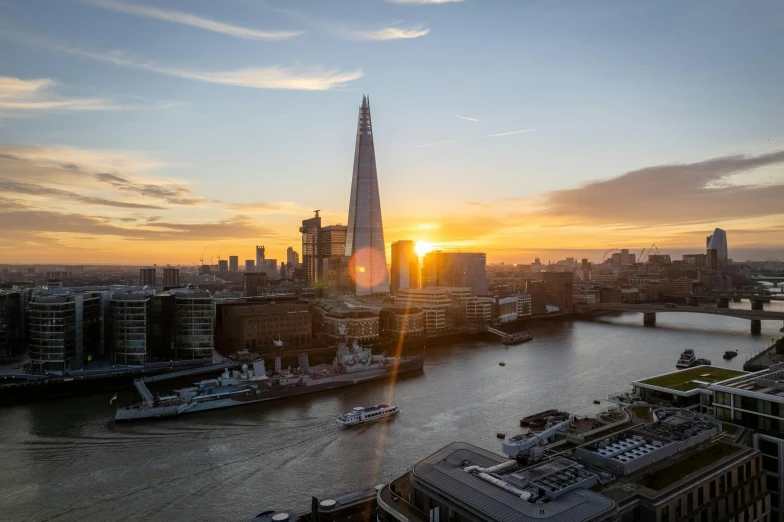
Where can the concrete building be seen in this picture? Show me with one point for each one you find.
(234, 264)
(130, 316)
(161, 340)
(456, 269)
(361, 323)
(147, 276)
(311, 249)
(271, 269)
(524, 308)
(337, 280)
(560, 288)
(405, 266)
(505, 308)
(666, 471)
(292, 257)
(254, 326)
(65, 329)
(435, 303)
(333, 241)
(365, 238)
(171, 277)
(223, 269)
(260, 257)
(250, 266)
(538, 292)
(12, 325)
(194, 324)
(756, 401)
(253, 283)
(401, 322)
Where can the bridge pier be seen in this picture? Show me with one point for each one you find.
(756, 304)
(649, 318)
(724, 302)
(692, 301)
(756, 326)
(736, 299)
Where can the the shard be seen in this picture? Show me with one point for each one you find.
(365, 237)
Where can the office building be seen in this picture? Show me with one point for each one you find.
(250, 266)
(311, 249)
(260, 257)
(194, 324)
(670, 470)
(147, 276)
(12, 325)
(401, 322)
(756, 401)
(405, 266)
(360, 323)
(538, 292)
(336, 275)
(171, 277)
(292, 257)
(254, 326)
(435, 303)
(718, 241)
(333, 240)
(456, 269)
(365, 238)
(234, 264)
(204, 270)
(560, 289)
(65, 329)
(130, 316)
(161, 340)
(253, 283)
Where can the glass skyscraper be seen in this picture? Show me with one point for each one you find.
(365, 237)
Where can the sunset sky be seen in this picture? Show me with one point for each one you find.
(141, 132)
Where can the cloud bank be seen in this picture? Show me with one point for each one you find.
(389, 33)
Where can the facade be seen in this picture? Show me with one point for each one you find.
(524, 308)
(333, 240)
(194, 324)
(12, 324)
(171, 277)
(260, 257)
(401, 323)
(147, 276)
(435, 303)
(360, 324)
(292, 257)
(311, 249)
(161, 340)
(223, 268)
(337, 280)
(538, 292)
(405, 266)
(456, 269)
(505, 308)
(756, 401)
(365, 237)
(64, 330)
(250, 266)
(255, 326)
(253, 284)
(560, 289)
(234, 264)
(718, 242)
(130, 316)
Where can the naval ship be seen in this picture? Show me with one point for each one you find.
(352, 365)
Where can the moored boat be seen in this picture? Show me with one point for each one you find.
(729, 354)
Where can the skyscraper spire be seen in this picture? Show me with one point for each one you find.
(365, 237)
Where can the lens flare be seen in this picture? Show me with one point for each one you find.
(423, 247)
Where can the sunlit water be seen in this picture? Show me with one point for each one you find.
(67, 458)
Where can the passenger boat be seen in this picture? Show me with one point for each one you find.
(361, 415)
(687, 359)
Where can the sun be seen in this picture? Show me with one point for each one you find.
(423, 247)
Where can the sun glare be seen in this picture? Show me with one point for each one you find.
(423, 247)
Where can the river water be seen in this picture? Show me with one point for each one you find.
(66, 459)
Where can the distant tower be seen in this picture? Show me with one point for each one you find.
(171, 276)
(147, 276)
(718, 241)
(405, 266)
(311, 248)
(260, 258)
(234, 264)
(250, 266)
(365, 235)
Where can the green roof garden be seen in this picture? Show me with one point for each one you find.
(689, 379)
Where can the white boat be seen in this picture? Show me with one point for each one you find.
(687, 359)
(360, 415)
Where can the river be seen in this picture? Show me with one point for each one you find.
(67, 459)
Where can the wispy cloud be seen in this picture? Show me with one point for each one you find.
(422, 2)
(39, 190)
(389, 33)
(273, 77)
(23, 96)
(461, 117)
(521, 131)
(433, 144)
(179, 17)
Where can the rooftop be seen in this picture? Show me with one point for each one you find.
(691, 378)
(446, 472)
(767, 382)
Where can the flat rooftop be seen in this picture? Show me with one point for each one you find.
(691, 378)
(444, 472)
(768, 382)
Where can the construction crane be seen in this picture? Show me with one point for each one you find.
(219, 249)
(201, 259)
(640, 258)
(610, 251)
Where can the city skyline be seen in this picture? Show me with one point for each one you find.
(197, 125)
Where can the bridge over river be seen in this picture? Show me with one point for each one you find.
(649, 311)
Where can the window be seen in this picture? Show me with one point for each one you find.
(712, 490)
(665, 514)
(690, 501)
(700, 496)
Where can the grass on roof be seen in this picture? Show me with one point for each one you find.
(682, 380)
(608, 431)
(665, 477)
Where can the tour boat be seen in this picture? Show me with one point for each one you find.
(360, 415)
